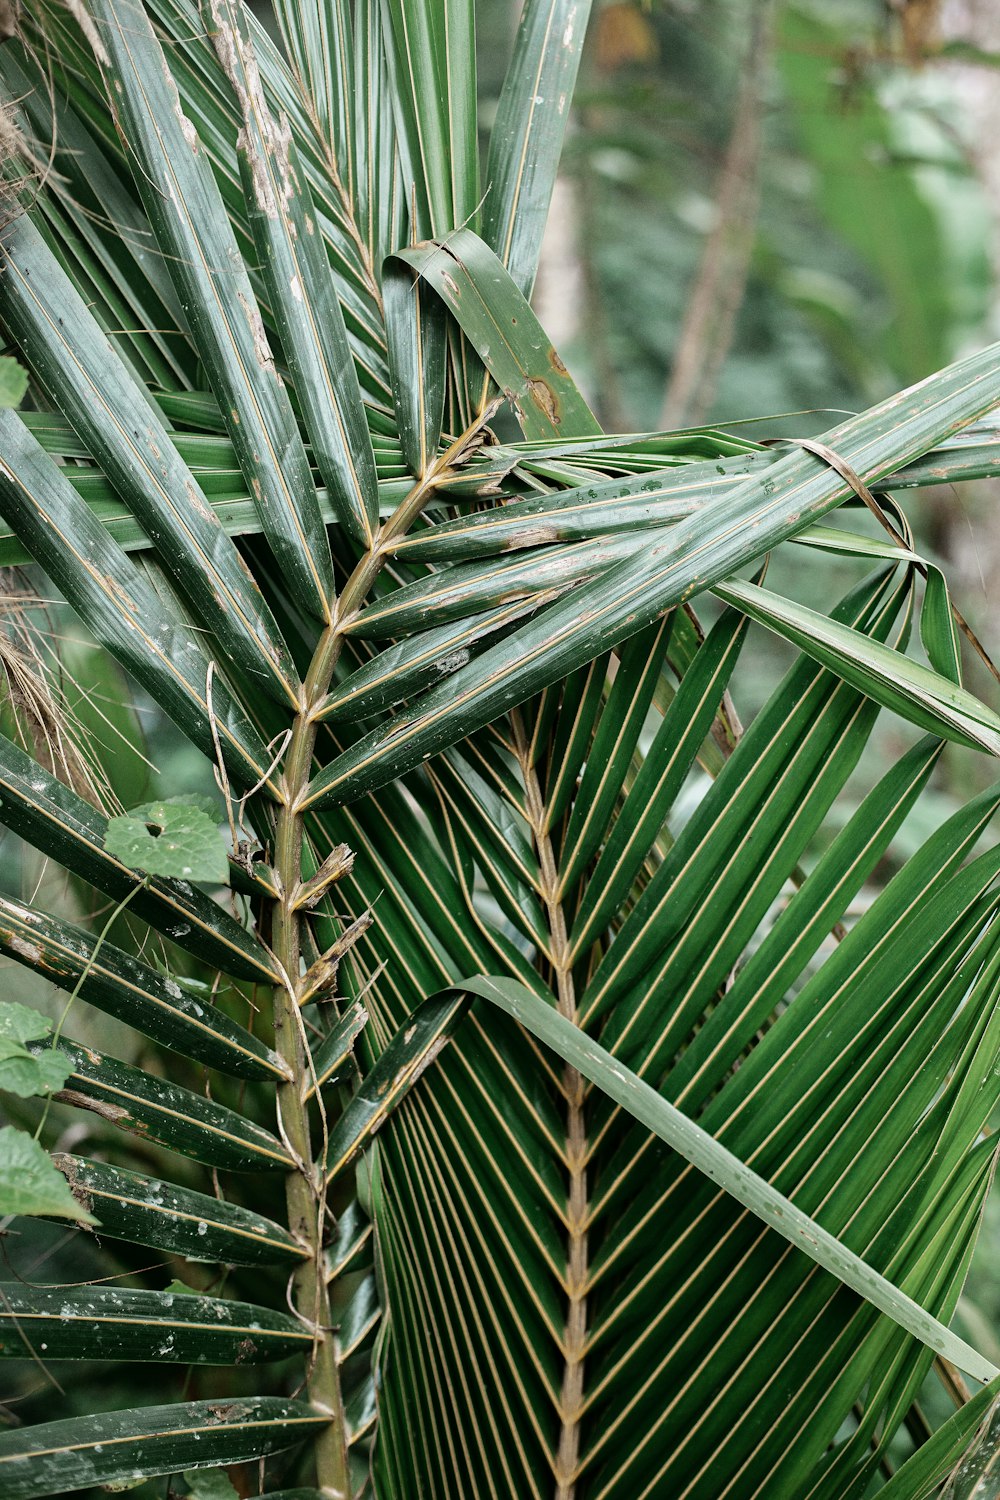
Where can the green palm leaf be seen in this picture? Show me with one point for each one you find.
(173, 1117)
(120, 430)
(123, 986)
(55, 820)
(430, 51)
(156, 1440)
(488, 307)
(687, 1209)
(118, 604)
(196, 239)
(645, 1105)
(527, 136)
(147, 1211)
(300, 288)
(121, 1323)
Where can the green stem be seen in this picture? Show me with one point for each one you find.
(305, 1185)
(575, 1329)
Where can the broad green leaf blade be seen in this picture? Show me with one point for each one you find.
(360, 1415)
(914, 691)
(19, 1024)
(966, 455)
(432, 63)
(401, 671)
(841, 543)
(584, 511)
(466, 589)
(109, 1447)
(121, 1323)
(938, 630)
(30, 1183)
(57, 821)
(228, 495)
(300, 286)
(170, 838)
(351, 1242)
(13, 382)
(120, 427)
(381, 206)
(27, 1075)
(500, 325)
(720, 1165)
(691, 557)
(406, 1057)
(361, 1316)
(337, 1048)
(117, 603)
(149, 1211)
(416, 330)
(186, 211)
(164, 1112)
(122, 986)
(654, 497)
(527, 136)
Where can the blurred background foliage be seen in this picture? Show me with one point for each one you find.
(768, 211)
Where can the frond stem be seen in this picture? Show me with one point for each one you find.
(574, 1088)
(305, 1192)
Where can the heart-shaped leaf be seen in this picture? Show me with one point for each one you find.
(21, 1071)
(171, 838)
(30, 1184)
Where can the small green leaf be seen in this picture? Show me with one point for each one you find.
(175, 839)
(26, 1075)
(180, 1289)
(30, 1184)
(21, 1072)
(13, 382)
(19, 1024)
(210, 806)
(210, 1484)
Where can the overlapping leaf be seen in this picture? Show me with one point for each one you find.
(536, 699)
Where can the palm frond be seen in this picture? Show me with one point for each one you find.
(469, 732)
